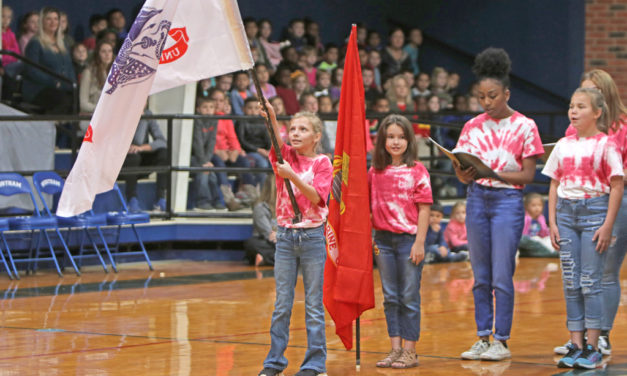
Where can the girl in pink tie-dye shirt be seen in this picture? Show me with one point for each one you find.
(586, 172)
(400, 198)
(299, 245)
(602, 81)
(509, 143)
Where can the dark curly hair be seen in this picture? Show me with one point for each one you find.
(493, 63)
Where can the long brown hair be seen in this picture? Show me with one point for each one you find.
(604, 82)
(382, 158)
(99, 68)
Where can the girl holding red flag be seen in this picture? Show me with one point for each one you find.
(301, 243)
(400, 194)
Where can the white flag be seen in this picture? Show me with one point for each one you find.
(207, 39)
(124, 95)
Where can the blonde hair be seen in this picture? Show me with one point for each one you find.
(390, 94)
(616, 109)
(457, 205)
(41, 35)
(597, 101)
(316, 124)
(434, 77)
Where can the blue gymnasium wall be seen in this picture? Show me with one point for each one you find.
(545, 39)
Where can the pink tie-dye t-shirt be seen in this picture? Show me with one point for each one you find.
(316, 172)
(583, 166)
(394, 193)
(500, 144)
(619, 136)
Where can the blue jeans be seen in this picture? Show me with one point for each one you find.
(432, 253)
(294, 247)
(400, 281)
(259, 161)
(206, 186)
(494, 224)
(614, 260)
(582, 265)
(246, 178)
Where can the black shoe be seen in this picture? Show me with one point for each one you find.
(267, 371)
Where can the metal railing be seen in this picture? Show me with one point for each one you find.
(170, 168)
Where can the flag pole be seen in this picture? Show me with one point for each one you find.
(297, 215)
(357, 346)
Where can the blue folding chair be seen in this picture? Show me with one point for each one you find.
(4, 226)
(12, 184)
(51, 183)
(125, 218)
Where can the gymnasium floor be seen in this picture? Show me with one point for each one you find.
(213, 318)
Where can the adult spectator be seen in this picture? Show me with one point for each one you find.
(393, 58)
(48, 49)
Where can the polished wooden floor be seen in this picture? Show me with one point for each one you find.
(213, 318)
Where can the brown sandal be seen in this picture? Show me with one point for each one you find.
(389, 359)
(408, 359)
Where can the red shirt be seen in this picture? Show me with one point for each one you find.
(394, 193)
(226, 138)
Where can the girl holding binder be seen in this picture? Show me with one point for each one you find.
(508, 143)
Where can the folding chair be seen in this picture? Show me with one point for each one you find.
(125, 218)
(12, 184)
(4, 226)
(51, 183)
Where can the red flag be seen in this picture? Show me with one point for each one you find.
(348, 284)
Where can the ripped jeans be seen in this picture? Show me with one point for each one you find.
(582, 265)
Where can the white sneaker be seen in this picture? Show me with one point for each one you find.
(604, 346)
(562, 350)
(497, 351)
(476, 350)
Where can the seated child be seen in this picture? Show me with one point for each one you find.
(240, 92)
(535, 241)
(254, 139)
(455, 233)
(228, 152)
(261, 246)
(435, 245)
(203, 144)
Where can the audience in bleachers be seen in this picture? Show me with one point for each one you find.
(306, 74)
(148, 148)
(203, 146)
(393, 58)
(97, 23)
(48, 49)
(254, 139)
(28, 28)
(9, 41)
(94, 77)
(117, 22)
